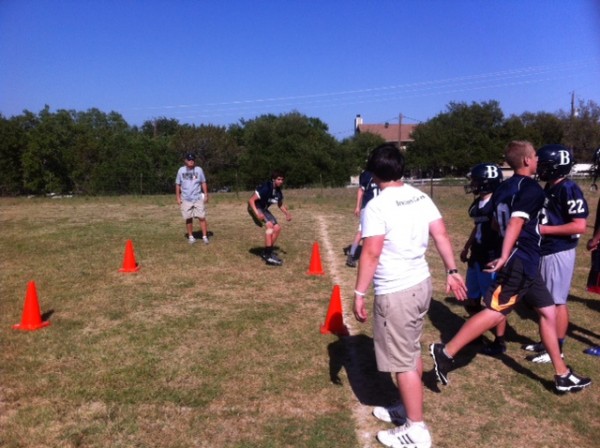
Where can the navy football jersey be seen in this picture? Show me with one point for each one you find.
(564, 203)
(268, 194)
(487, 243)
(521, 196)
(369, 187)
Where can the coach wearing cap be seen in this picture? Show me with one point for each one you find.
(192, 193)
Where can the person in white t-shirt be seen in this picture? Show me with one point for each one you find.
(396, 226)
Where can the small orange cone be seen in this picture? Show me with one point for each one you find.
(32, 317)
(334, 322)
(129, 264)
(315, 267)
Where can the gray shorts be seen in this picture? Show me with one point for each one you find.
(190, 210)
(397, 327)
(557, 271)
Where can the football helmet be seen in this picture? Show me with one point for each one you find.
(554, 161)
(484, 178)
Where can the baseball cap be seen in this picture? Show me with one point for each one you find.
(190, 156)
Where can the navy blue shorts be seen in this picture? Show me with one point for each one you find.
(268, 216)
(513, 284)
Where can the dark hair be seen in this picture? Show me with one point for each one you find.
(277, 173)
(386, 162)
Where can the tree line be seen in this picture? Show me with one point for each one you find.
(96, 153)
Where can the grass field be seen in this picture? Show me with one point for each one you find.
(206, 346)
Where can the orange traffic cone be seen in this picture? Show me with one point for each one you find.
(129, 264)
(334, 322)
(315, 267)
(32, 317)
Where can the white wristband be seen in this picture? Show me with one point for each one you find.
(358, 293)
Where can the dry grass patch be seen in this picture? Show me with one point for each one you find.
(206, 346)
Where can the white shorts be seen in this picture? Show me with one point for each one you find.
(557, 271)
(190, 210)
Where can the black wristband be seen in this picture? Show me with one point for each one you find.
(452, 271)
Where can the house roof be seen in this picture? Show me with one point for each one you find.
(388, 131)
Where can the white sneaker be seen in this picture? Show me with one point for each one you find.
(541, 358)
(407, 435)
(205, 239)
(191, 239)
(396, 414)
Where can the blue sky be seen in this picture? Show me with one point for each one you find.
(221, 61)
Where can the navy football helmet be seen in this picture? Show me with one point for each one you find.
(554, 161)
(484, 178)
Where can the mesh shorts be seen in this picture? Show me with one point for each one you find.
(557, 271)
(513, 284)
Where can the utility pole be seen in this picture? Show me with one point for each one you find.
(400, 131)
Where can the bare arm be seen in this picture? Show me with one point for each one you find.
(513, 230)
(574, 227)
(359, 196)
(178, 193)
(593, 243)
(252, 204)
(205, 191)
(369, 257)
(454, 282)
(464, 255)
(286, 212)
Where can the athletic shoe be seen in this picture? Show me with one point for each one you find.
(407, 435)
(350, 261)
(535, 347)
(494, 349)
(594, 351)
(205, 240)
(395, 414)
(191, 239)
(571, 382)
(442, 362)
(347, 249)
(541, 358)
(272, 260)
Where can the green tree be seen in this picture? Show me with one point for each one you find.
(92, 145)
(13, 142)
(582, 130)
(217, 151)
(297, 144)
(540, 128)
(457, 139)
(46, 159)
(354, 151)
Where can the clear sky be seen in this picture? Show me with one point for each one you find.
(216, 62)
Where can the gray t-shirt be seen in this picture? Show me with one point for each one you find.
(190, 181)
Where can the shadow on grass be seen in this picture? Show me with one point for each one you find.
(258, 251)
(356, 355)
(198, 234)
(448, 325)
(574, 331)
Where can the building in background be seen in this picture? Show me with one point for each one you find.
(399, 134)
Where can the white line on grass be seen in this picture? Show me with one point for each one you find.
(362, 414)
